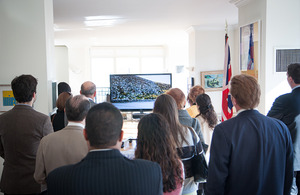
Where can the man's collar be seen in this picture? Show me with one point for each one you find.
(22, 104)
(96, 150)
(297, 86)
(75, 124)
(242, 110)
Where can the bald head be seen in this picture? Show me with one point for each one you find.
(77, 108)
(88, 89)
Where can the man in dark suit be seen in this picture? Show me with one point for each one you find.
(88, 89)
(250, 153)
(287, 109)
(21, 130)
(105, 170)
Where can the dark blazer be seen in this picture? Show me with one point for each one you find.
(21, 130)
(92, 102)
(287, 109)
(250, 154)
(106, 172)
(58, 120)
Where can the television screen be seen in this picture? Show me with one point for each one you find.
(138, 92)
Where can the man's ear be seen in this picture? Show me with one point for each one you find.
(80, 92)
(95, 93)
(33, 96)
(233, 100)
(121, 136)
(85, 135)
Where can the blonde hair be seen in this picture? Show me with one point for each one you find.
(178, 96)
(194, 92)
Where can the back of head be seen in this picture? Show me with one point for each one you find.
(293, 70)
(23, 88)
(88, 88)
(206, 109)
(204, 103)
(77, 108)
(178, 96)
(103, 125)
(61, 100)
(63, 87)
(246, 91)
(194, 92)
(166, 106)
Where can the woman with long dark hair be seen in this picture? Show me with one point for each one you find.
(183, 138)
(154, 143)
(208, 119)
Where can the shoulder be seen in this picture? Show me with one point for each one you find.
(59, 172)
(283, 98)
(39, 114)
(236, 122)
(145, 163)
(193, 111)
(276, 122)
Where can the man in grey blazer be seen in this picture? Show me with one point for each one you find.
(105, 170)
(21, 130)
(66, 146)
(88, 89)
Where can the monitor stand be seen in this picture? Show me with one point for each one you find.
(138, 115)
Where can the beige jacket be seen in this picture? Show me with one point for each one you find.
(63, 147)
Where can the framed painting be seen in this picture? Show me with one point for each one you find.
(250, 48)
(212, 80)
(7, 100)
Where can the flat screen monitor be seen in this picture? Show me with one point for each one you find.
(138, 92)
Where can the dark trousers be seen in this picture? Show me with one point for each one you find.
(201, 187)
(43, 193)
(23, 194)
(297, 173)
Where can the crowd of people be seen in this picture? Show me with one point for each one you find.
(78, 149)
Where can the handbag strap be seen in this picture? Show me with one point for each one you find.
(194, 139)
(194, 122)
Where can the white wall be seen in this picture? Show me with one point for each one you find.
(280, 28)
(282, 31)
(25, 46)
(61, 64)
(252, 12)
(207, 50)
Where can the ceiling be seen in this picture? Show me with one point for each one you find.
(137, 21)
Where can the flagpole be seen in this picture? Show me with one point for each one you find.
(226, 29)
(226, 99)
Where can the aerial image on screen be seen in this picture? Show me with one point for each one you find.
(133, 91)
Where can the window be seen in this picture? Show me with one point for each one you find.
(124, 60)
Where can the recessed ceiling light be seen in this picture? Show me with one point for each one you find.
(102, 17)
(100, 22)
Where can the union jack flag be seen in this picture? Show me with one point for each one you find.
(226, 98)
